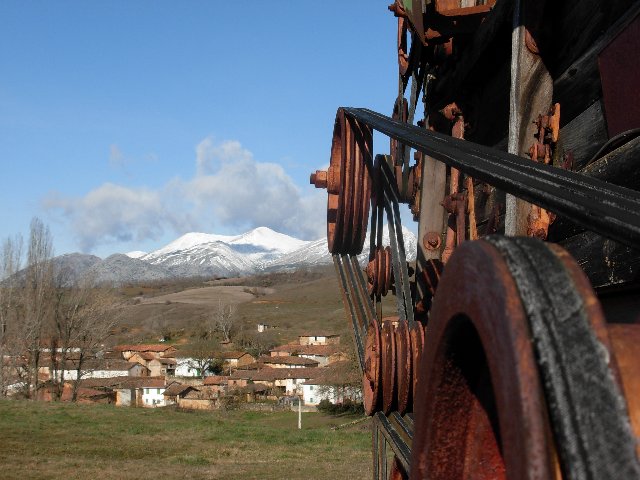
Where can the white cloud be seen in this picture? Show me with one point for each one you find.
(230, 190)
(113, 213)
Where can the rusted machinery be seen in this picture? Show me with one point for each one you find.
(511, 349)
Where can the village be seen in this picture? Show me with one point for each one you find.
(301, 373)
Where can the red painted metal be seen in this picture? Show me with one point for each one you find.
(619, 73)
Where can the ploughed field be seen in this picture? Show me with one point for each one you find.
(66, 441)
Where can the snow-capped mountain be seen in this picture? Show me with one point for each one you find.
(209, 255)
(317, 252)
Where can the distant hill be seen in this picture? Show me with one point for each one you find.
(210, 255)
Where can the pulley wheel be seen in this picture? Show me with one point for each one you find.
(389, 385)
(517, 380)
(403, 366)
(372, 377)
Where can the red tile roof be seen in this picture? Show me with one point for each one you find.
(176, 389)
(288, 360)
(319, 334)
(271, 374)
(215, 380)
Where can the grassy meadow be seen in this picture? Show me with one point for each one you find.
(66, 441)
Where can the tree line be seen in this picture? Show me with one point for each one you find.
(47, 318)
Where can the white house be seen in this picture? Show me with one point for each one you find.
(187, 367)
(330, 384)
(319, 339)
(314, 391)
(97, 368)
(153, 396)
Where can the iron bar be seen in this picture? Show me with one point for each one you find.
(397, 243)
(399, 446)
(609, 210)
(348, 302)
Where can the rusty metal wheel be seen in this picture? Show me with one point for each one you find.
(379, 271)
(389, 362)
(397, 472)
(416, 337)
(371, 379)
(348, 185)
(496, 398)
(403, 367)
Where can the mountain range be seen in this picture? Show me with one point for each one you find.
(259, 250)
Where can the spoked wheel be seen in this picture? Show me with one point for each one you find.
(348, 183)
(515, 381)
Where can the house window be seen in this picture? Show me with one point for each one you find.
(146, 391)
(311, 387)
(310, 399)
(158, 391)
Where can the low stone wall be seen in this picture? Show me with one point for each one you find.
(262, 407)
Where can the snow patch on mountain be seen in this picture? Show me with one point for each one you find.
(136, 254)
(209, 255)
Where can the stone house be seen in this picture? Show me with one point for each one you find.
(162, 366)
(202, 398)
(156, 350)
(235, 359)
(288, 362)
(141, 392)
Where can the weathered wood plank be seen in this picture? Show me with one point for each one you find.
(530, 95)
(604, 261)
(584, 135)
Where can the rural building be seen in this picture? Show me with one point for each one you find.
(84, 395)
(323, 354)
(175, 391)
(319, 339)
(157, 350)
(140, 392)
(288, 362)
(162, 366)
(217, 383)
(282, 381)
(187, 366)
(326, 385)
(98, 368)
(235, 359)
(285, 350)
(142, 358)
(201, 398)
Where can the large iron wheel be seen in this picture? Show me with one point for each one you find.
(505, 391)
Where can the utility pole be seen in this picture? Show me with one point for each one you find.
(300, 412)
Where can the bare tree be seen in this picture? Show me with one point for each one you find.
(224, 317)
(202, 357)
(10, 259)
(70, 305)
(95, 320)
(37, 299)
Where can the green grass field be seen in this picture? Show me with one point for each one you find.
(66, 441)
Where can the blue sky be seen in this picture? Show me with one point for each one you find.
(125, 124)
